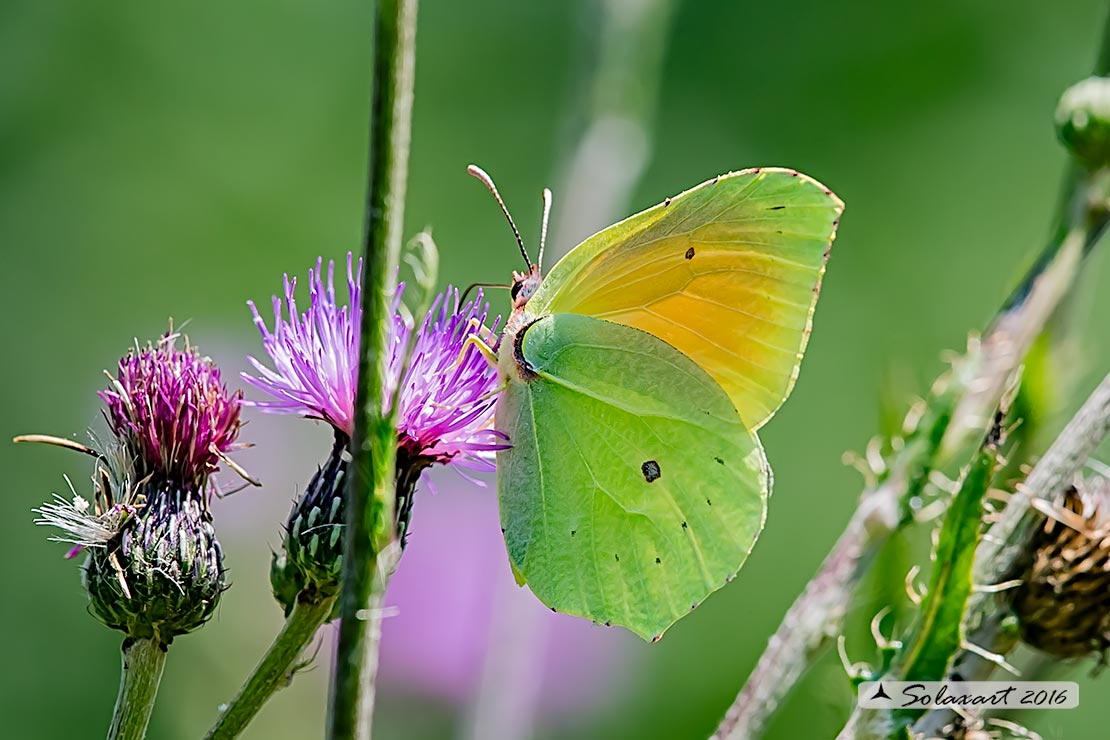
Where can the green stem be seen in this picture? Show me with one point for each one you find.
(273, 670)
(143, 661)
(371, 487)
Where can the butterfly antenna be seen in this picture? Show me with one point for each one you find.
(481, 174)
(543, 227)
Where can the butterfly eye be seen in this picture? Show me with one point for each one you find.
(515, 290)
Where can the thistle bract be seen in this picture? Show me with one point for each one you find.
(312, 554)
(444, 393)
(164, 575)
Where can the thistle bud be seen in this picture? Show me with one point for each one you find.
(1063, 602)
(1083, 121)
(312, 550)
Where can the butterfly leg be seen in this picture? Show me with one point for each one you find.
(500, 387)
(490, 355)
(487, 352)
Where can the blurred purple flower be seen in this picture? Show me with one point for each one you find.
(463, 629)
(446, 406)
(171, 410)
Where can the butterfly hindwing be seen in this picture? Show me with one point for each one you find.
(727, 272)
(632, 489)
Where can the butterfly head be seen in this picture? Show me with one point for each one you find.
(525, 284)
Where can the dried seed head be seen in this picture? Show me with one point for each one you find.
(1063, 603)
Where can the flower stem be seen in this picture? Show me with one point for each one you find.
(371, 487)
(273, 670)
(143, 661)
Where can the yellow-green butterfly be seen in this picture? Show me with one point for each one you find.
(635, 377)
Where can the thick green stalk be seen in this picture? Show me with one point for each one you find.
(273, 670)
(371, 485)
(143, 661)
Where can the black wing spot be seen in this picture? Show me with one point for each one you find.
(719, 461)
(573, 532)
(651, 470)
(709, 502)
(690, 253)
(684, 525)
(618, 557)
(666, 202)
(776, 208)
(658, 561)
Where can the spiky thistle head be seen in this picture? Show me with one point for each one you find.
(444, 391)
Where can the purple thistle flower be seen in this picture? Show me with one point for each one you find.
(315, 354)
(171, 409)
(445, 411)
(154, 568)
(446, 406)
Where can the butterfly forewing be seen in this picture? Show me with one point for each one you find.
(727, 272)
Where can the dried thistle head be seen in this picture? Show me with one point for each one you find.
(1063, 602)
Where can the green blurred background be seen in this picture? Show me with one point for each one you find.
(163, 160)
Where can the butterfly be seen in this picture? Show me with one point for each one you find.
(635, 376)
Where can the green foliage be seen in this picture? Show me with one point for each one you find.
(939, 629)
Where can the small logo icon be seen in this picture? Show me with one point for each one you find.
(880, 694)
